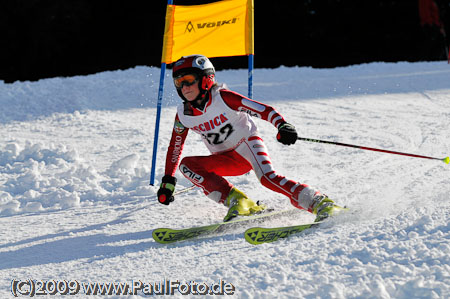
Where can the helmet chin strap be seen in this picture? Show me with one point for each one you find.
(200, 101)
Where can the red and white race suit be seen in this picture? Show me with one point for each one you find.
(236, 148)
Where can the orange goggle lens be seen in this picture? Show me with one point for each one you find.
(187, 80)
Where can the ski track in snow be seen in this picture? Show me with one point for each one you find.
(75, 202)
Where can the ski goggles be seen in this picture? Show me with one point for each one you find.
(188, 80)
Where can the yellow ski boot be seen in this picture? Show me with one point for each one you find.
(325, 207)
(240, 205)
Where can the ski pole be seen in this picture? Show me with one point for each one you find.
(184, 190)
(445, 160)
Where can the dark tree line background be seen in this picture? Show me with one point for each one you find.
(48, 38)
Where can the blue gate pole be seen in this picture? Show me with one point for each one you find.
(250, 76)
(158, 114)
(158, 117)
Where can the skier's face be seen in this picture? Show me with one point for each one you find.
(190, 92)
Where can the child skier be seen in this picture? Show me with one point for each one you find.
(222, 118)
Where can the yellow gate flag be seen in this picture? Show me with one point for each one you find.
(218, 29)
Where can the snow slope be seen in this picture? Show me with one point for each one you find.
(75, 203)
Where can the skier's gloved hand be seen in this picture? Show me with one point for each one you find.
(286, 134)
(165, 192)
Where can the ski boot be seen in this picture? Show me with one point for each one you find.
(240, 205)
(323, 207)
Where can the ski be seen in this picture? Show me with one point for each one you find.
(169, 235)
(260, 235)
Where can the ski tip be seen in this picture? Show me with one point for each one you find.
(446, 160)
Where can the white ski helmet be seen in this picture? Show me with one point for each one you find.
(198, 65)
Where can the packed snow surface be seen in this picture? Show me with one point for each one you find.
(76, 204)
